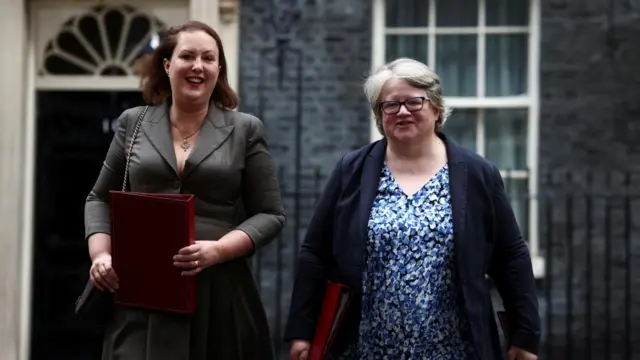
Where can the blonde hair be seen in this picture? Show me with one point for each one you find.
(415, 73)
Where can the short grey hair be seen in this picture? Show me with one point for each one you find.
(415, 73)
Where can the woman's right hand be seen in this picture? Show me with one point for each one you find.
(299, 350)
(102, 274)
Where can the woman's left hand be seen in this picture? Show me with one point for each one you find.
(197, 257)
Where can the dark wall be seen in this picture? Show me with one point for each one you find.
(590, 125)
(590, 84)
(302, 67)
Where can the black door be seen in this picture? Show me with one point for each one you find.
(74, 130)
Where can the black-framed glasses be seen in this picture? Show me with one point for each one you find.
(412, 104)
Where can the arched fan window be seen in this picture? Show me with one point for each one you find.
(105, 41)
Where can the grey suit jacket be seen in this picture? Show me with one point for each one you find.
(232, 175)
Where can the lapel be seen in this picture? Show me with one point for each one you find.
(458, 188)
(158, 131)
(369, 180)
(213, 134)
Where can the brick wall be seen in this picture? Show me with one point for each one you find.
(590, 118)
(302, 68)
(590, 84)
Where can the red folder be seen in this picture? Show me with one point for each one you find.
(334, 305)
(147, 230)
(505, 324)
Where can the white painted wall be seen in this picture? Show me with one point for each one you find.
(12, 149)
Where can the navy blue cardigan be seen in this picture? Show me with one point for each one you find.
(487, 241)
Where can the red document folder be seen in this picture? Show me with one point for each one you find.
(335, 302)
(504, 324)
(147, 230)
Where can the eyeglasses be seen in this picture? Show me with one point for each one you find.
(412, 104)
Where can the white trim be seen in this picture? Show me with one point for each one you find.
(432, 34)
(207, 11)
(538, 264)
(378, 20)
(202, 10)
(14, 27)
(488, 102)
(168, 11)
(480, 135)
(28, 194)
(230, 37)
(83, 3)
(433, 30)
(533, 139)
(377, 54)
(89, 83)
(515, 174)
(481, 52)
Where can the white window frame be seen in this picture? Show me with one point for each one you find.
(530, 101)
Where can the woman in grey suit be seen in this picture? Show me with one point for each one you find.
(191, 141)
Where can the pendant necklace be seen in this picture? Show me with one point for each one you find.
(186, 145)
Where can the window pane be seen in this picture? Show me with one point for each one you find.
(407, 13)
(456, 64)
(461, 127)
(507, 59)
(412, 46)
(518, 193)
(507, 13)
(457, 13)
(506, 138)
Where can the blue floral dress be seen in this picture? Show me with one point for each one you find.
(409, 307)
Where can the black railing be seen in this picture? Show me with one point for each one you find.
(274, 267)
(589, 234)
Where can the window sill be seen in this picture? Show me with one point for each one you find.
(537, 263)
(538, 267)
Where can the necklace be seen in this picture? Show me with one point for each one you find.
(186, 145)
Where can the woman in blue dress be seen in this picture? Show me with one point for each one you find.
(412, 224)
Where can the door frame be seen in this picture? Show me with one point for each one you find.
(222, 15)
